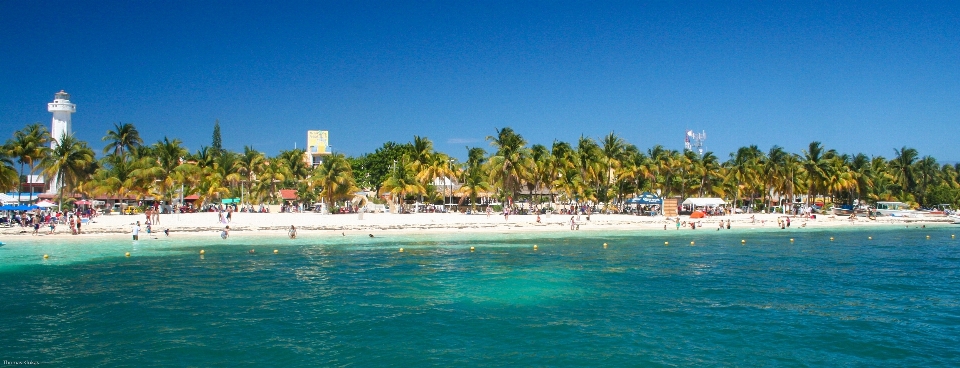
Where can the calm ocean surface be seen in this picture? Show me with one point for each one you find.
(356, 301)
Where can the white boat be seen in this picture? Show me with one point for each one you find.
(896, 209)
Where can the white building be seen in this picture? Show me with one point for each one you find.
(60, 126)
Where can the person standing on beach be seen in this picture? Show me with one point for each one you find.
(136, 231)
(229, 214)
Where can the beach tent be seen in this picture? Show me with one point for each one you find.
(46, 204)
(5, 198)
(704, 202)
(645, 198)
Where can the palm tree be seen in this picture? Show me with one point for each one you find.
(124, 137)
(70, 162)
(402, 181)
(902, 169)
(773, 174)
(635, 172)
(508, 164)
(473, 182)
(613, 150)
(113, 177)
(439, 166)
(816, 166)
(744, 168)
(8, 174)
(708, 175)
(335, 176)
(540, 169)
(862, 174)
(28, 146)
(156, 173)
(927, 172)
(295, 169)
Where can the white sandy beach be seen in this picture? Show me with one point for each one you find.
(277, 224)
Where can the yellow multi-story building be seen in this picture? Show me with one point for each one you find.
(318, 144)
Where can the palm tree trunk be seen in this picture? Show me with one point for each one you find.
(19, 186)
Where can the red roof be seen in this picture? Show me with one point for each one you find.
(191, 197)
(288, 194)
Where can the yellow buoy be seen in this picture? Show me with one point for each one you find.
(45, 256)
(869, 238)
(928, 236)
(471, 249)
(666, 243)
(743, 241)
(128, 254)
(791, 240)
(831, 238)
(202, 252)
(953, 236)
(401, 250)
(604, 244)
(534, 246)
(276, 251)
(692, 243)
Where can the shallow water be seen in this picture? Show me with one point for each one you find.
(892, 301)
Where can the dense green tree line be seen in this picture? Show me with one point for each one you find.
(608, 170)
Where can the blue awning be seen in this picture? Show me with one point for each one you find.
(11, 207)
(645, 198)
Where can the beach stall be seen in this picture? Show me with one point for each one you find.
(647, 203)
(706, 204)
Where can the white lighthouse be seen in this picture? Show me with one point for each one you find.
(61, 109)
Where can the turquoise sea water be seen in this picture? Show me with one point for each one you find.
(356, 301)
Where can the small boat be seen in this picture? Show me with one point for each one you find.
(896, 209)
(845, 210)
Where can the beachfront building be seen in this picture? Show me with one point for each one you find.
(61, 107)
(318, 145)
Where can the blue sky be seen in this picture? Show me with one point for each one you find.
(860, 77)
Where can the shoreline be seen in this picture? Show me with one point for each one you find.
(205, 225)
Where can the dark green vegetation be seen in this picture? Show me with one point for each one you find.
(607, 170)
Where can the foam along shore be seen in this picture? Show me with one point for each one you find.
(244, 224)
